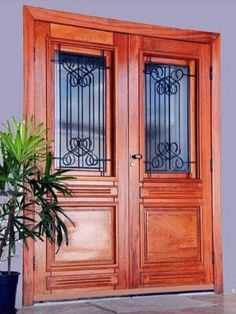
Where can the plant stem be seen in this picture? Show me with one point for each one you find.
(7, 234)
(5, 237)
(9, 258)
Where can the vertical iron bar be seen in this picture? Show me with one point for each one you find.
(89, 105)
(179, 115)
(155, 116)
(93, 91)
(104, 114)
(159, 118)
(60, 122)
(150, 121)
(169, 120)
(70, 113)
(165, 120)
(83, 62)
(188, 119)
(67, 113)
(146, 142)
(78, 124)
(99, 117)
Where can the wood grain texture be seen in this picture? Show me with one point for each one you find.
(122, 162)
(152, 279)
(174, 192)
(97, 292)
(41, 33)
(99, 232)
(28, 33)
(216, 163)
(92, 239)
(119, 26)
(81, 34)
(81, 282)
(135, 45)
(171, 235)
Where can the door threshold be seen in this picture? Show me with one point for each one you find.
(117, 297)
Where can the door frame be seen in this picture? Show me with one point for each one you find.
(33, 14)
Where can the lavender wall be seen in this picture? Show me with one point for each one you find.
(207, 15)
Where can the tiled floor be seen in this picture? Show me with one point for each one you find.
(161, 304)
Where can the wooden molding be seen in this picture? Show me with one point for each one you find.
(124, 292)
(216, 162)
(93, 22)
(28, 44)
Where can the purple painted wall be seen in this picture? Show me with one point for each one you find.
(207, 15)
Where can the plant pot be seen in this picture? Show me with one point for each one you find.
(8, 285)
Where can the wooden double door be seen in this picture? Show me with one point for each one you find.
(130, 117)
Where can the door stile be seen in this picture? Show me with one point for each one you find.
(122, 126)
(42, 31)
(205, 155)
(216, 164)
(135, 45)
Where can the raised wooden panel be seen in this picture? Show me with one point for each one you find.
(81, 34)
(171, 235)
(92, 238)
(172, 190)
(183, 278)
(80, 281)
(98, 193)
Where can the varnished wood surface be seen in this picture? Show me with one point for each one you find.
(111, 25)
(82, 34)
(28, 33)
(216, 163)
(129, 205)
(171, 206)
(107, 292)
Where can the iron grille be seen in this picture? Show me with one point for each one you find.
(167, 122)
(80, 111)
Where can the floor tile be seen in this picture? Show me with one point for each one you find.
(161, 304)
(150, 303)
(76, 308)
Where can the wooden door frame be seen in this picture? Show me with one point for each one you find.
(33, 14)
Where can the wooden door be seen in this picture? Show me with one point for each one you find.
(131, 118)
(170, 187)
(81, 95)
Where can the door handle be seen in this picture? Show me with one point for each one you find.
(136, 156)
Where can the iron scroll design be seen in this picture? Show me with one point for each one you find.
(167, 84)
(81, 111)
(167, 119)
(170, 153)
(80, 73)
(78, 148)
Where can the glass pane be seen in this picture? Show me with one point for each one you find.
(166, 118)
(80, 111)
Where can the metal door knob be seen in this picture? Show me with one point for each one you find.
(136, 156)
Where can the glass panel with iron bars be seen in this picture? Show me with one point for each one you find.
(167, 117)
(81, 112)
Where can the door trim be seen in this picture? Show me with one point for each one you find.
(33, 14)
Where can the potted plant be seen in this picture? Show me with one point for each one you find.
(29, 206)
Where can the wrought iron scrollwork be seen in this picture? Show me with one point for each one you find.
(80, 148)
(167, 117)
(167, 152)
(81, 111)
(167, 82)
(80, 73)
